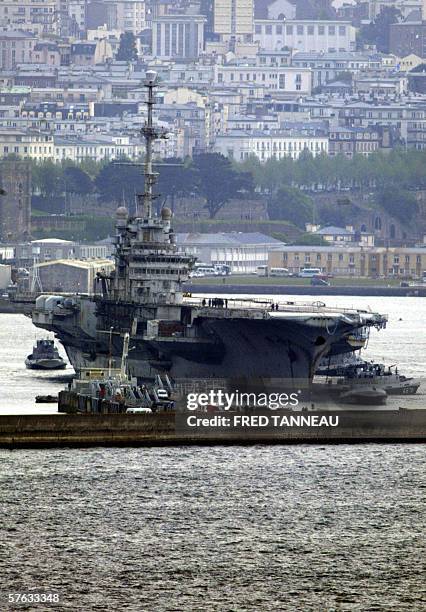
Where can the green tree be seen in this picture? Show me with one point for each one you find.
(76, 180)
(127, 50)
(308, 239)
(290, 204)
(177, 179)
(120, 183)
(398, 202)
(47, 178)
(218, 182)
(378, 32)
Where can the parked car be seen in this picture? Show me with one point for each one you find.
(320, 281)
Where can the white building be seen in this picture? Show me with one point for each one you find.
(305, 35)
(243, 252)
(37, 16)
(279, 79)
(240, 145)
(178, 36)
(32, 144)
(233, 19)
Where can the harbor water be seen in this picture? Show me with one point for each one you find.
(261, 528)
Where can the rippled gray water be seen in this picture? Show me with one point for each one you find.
(296, 528)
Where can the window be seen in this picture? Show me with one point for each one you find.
(310, 30)
(331, 30)
(300, 30)
(321, 30)
(342, 30)
(268, 29)
(289, 30)
(258, 29)
(279, 29)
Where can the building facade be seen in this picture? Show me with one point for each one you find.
(178, 36)
(357, 261)
(234, 19)
(240, 145)
(243, 252)
(37, 16)
(16, 47)
(305, 35)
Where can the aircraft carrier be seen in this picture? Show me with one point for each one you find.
(174, 333)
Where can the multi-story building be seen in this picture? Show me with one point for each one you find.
(350, 141)
(178, 36)
(327, 67)
(16, 47)
(305, 35)
(233, 20)
(28, 143)
(241, 145)
(123, 15)
(408, 37)
(77, 10)
(37, 16)
(284, 80)
(352, 260)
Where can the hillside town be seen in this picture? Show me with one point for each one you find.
(312, 113)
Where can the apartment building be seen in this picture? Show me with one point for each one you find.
(352, 260)
(281, 80)
(37, 16)
(29, 143)
(305, 35)
(240, 145)
(234, 19)
(16, 47)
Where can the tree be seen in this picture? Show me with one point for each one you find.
(398, 202)
(120, 183)
(292, 205)
(218, 182)
(127, 50)
(176, 180)
(47, 178)
(378, 32)
(77, 181)
(309, 239)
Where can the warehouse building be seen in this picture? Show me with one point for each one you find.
(72, 275)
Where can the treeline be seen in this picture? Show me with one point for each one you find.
(210, 176)
(286, 184)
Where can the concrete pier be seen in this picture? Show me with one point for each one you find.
(168, 428)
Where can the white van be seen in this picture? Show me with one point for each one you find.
(309, 272)
(278, 272)
(262, 270)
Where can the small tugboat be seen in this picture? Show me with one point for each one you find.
(45, 356)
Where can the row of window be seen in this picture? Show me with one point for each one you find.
(300, 30)
(340, 257)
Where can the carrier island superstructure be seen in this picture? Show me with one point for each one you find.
(173, 333)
